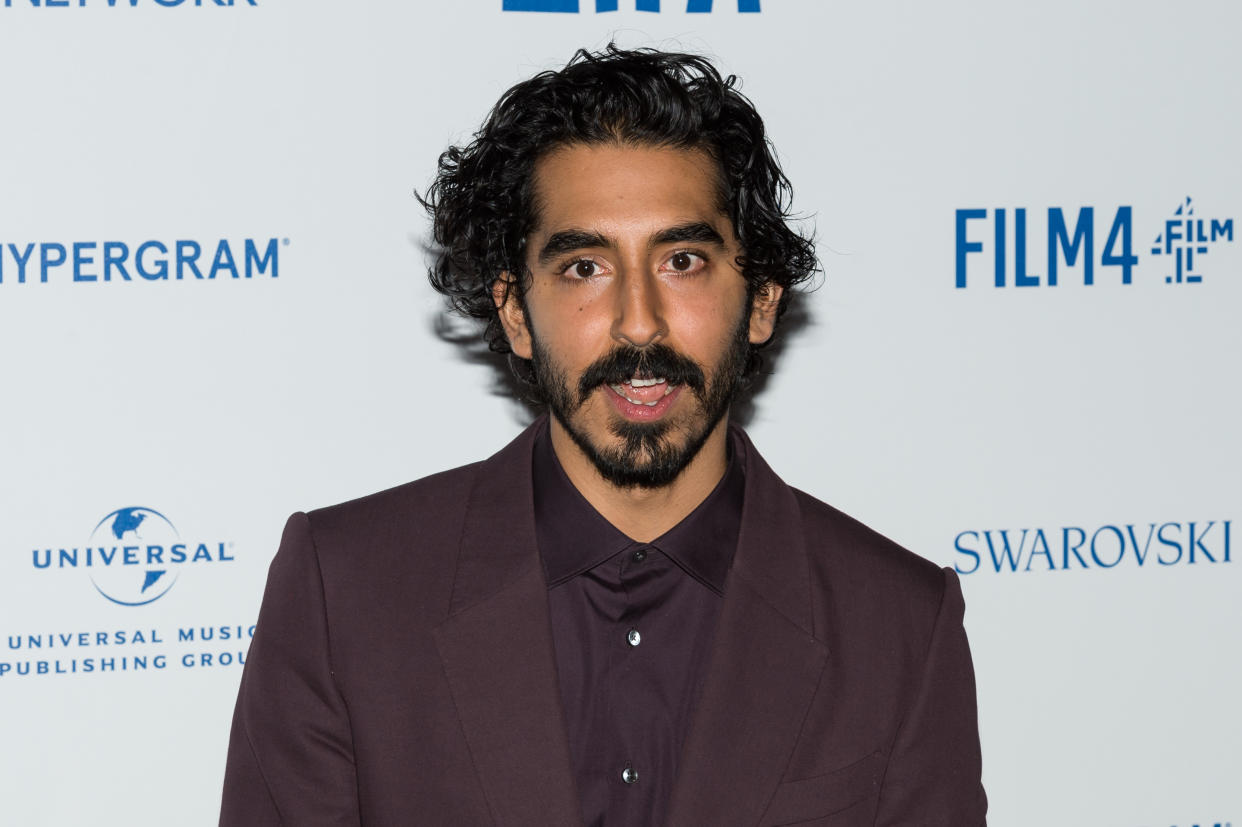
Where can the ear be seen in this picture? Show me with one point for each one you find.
(512, 318)
(763, 312)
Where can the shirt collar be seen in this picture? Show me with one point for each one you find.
(573, 537)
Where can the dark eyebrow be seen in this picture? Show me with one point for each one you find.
(566, 241)
(696, 231)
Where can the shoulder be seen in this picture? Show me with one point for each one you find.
(874, 598)
(854, 570)
(428, 507)
(386, 552)
(423, 503)
(862, 556)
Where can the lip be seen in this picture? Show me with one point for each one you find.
(642, 412)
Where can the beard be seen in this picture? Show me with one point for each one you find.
(645, 454)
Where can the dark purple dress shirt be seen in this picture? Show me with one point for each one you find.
(632, 624)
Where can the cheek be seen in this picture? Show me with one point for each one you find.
(573, 332)
(710, 325)
(566, 312)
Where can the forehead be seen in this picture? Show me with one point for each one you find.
(619, 187)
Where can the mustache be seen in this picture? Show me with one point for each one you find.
(625, 362)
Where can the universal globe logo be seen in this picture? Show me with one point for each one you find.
(134, 556)
(121, 585)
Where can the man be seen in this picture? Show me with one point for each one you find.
(624, 617)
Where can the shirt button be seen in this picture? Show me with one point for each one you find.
(639, 555)
(628, 775)
(633, 638)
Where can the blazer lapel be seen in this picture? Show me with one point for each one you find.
(764, 667)
(496, 648)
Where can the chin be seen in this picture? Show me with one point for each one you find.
(645, 455)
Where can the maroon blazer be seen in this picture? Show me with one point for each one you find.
(402, 672)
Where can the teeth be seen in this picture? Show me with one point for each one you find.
(646, 383)
(620, 391)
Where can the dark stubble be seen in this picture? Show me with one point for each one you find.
(648, 455)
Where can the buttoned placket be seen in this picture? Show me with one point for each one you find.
(632, 622)
(633, 639)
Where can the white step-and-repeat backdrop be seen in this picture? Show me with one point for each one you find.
(1022, 362)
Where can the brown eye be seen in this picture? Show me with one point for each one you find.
(584, 269)
(681, 261)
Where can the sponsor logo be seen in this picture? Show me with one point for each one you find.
(168, 4)
(133, 557)
(1011, 253)
(96, 262)
(1186, 238)
(104, 652)
(1073, 548)
(572, 6)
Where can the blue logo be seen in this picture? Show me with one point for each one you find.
(1066, 548)
(168, 4)
(93, 262)
(134, 556)
(1063, 245)
(1004, 256)
(571, 6)
(1186, 238)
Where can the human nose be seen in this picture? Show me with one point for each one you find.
(639, 319)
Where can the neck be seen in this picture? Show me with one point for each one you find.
(643, 514)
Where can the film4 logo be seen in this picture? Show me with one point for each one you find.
(1021, 248)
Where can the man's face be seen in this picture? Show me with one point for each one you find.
(636, 317)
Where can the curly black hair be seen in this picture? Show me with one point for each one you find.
(482, 199)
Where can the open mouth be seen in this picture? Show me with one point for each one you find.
(640, 391)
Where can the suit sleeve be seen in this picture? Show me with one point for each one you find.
(290, 758)
(934, 772)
